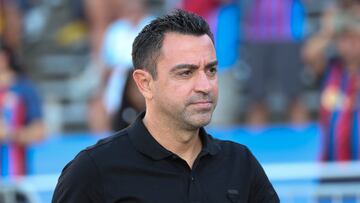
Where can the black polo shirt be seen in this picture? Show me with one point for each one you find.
(132, 166)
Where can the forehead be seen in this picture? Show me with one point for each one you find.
(186, 48)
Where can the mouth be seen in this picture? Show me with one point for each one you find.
(203, 104)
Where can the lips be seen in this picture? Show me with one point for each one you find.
(202, 104)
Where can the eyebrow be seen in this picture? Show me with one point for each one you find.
(212, 64)
(192, 66)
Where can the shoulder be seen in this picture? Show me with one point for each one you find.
(106, 148)
(81, 179)
(235, 154)
(238, 155)
(101, 150)
(233, 149)
(23, 82)
(25, 87)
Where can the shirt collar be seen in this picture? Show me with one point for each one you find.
(147, 145)
(209, 144)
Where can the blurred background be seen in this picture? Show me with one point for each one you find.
(288, 77)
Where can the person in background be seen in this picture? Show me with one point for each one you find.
(98, 15)
(272, 35)
(20, 115)
(116, 56)
(11, 23)
(334, 53)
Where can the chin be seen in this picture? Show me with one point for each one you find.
(200, 120)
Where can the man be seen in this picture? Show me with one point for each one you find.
(166, 155)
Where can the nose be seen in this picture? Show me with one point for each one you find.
(203, 83)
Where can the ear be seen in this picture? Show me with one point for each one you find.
(143, 81)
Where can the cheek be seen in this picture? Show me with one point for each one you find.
(169, 93)
(215, 87)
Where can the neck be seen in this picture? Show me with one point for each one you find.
(184, 143)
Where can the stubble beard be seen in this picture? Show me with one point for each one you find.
(189, 117)
(196, 118)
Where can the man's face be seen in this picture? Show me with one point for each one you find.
(186, 90)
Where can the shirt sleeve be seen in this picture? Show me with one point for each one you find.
(261, 190)
(79, 182)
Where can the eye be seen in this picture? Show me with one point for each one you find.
(185, 73)
(212, 71)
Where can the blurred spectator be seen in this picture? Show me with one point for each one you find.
(272, 34)
(116, 54)
(334, 53)
(10, 23)
(223, 17)
(99, 16)
(20, 118)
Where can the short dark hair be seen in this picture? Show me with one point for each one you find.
(147, 45)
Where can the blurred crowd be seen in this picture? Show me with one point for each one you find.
(65, 65)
